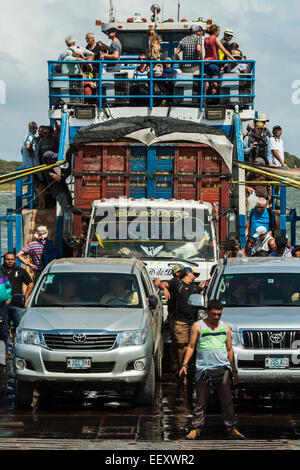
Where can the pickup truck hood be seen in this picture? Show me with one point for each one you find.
(262, 317)
(111, 319)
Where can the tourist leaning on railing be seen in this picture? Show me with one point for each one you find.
(212, 45)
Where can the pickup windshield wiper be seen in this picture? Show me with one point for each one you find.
(172, 258)
(115, 254)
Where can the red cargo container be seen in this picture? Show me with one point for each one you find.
(178, 171)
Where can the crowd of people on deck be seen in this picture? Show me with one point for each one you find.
(194, 46)
(50, 184)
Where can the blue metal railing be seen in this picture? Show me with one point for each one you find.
(12, 242)
(28, 196)
(101, 80)
(293, 218)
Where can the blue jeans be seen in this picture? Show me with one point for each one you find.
(15, 314)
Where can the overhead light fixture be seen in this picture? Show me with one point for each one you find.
(214, 113)
(87, 112)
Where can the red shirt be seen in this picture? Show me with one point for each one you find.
(211, 48)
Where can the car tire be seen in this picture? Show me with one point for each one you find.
(24, 394)
(158, 360)
(146, 391)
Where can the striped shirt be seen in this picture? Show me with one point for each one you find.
(211, 349)
(35, 250)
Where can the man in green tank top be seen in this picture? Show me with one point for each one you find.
(214, 365)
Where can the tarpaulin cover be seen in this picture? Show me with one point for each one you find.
(150, 130)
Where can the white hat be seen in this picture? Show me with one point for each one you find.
(261, 118)
(260, 231)
(42, 231)
(229, 31)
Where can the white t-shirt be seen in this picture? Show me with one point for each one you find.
(277, 144)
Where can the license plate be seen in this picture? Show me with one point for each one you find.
(79, 363)
(277, 362)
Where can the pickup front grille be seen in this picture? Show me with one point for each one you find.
(97, 367)
(96, 342)
(275, 339)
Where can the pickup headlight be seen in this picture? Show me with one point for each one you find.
(28, 337)
(132, 338)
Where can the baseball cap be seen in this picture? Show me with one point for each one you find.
(177, 267)
(260, 231)
(49, 155)
(112, 30)
(189, 270)
(196, 27)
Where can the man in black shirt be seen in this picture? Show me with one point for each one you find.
(169, 292)
(17, 277)
(185, 314)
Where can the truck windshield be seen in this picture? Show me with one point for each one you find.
(88, 289)
(152, 233)
(259, 289)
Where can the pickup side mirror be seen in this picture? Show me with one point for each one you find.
(18, 300)
(196, 300)
(152, 302)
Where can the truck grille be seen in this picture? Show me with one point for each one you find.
(92, 342)
(97, 367)
(276, 339)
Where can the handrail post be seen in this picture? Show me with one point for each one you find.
(100, 83)
(202, 85)
(151, 85)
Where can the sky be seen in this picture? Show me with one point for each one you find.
(33, 31)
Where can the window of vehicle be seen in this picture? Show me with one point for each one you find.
(133, 42)
(258, 289)
(147, 232)
(88, 289)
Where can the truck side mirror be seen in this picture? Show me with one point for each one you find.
(18, 300)
(152, 301)
(196, 300)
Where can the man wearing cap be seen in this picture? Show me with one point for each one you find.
(169, 292)
(257, 145)
(227, 37)
(259, 216)
(185, 314)
(282, 250)
(35, 250)
(114, 51)
(191, 47)
(56, 180)
(265, 241)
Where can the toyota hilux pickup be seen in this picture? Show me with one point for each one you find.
(261, 299)
(91, 324)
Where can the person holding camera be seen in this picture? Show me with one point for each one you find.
(258, 145)
(215, 366)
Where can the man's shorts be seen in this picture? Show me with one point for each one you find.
(182, 332)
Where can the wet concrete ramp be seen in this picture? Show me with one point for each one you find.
(113, 445)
